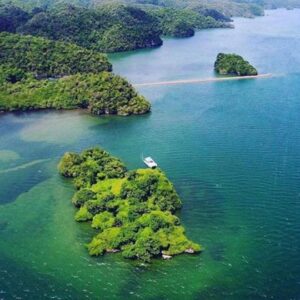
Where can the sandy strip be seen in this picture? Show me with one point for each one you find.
(204, 80)
(24, 166)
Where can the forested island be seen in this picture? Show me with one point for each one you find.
(36, 73)
(233, 64)
(131, 211)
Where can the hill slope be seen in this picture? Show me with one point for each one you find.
(73, 77)
(110, 28)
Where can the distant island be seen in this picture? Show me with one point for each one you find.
(36, 73)
(233, 64)
(132, 211)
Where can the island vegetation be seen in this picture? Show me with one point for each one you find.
(176, 22)
(102, 93)
(36, 73)
(131, 211)
(45, 58)
(233, 64)
(122, 25)
(109, 28)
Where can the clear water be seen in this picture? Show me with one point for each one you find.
(232, 150)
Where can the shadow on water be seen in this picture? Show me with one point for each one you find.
(19, 282)
(204, 198)
(3, 225)
(22, 180)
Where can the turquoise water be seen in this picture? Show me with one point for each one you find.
(232, 150)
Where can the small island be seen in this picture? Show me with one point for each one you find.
(233, 64)
(132, 212)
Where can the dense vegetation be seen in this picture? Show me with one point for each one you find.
(228, 8)
(73, 77)
(45, 58)
(11, 17)
(232, 64)
(110, 28)
(183, 22)
(132, 212)
(102, 93)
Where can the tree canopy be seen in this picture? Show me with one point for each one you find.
(36, 73)
(45, 58)
(183, 22)
(233, 64)
(131, 211)
(103, 93)
(110, 28)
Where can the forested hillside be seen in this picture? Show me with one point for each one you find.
(108, 26)
(45, 58)
(36, 73)
(234, 7)
(107, 29)
(184, 22)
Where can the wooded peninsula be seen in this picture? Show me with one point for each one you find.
(36, 73)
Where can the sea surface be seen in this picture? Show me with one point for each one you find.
(231, 148)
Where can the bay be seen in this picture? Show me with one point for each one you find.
(232, 150)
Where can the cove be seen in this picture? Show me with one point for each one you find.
(230, 148)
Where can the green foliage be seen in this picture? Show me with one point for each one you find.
(232, 64)
(82, 196)
(122, 25)
(89, 164)
(11, 17)
(83, 215)
(36, 73)
(11, 74)
(132, 211)
(108, 29)
(103, 220)
(183, 22)
(112, 27)
(45, 58)
(102, 93)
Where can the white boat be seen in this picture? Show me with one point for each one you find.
(150, 162)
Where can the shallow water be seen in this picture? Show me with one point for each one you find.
(232, 150)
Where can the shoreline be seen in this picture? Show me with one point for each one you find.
(204, 80)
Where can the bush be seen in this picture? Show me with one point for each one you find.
(83, 196)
